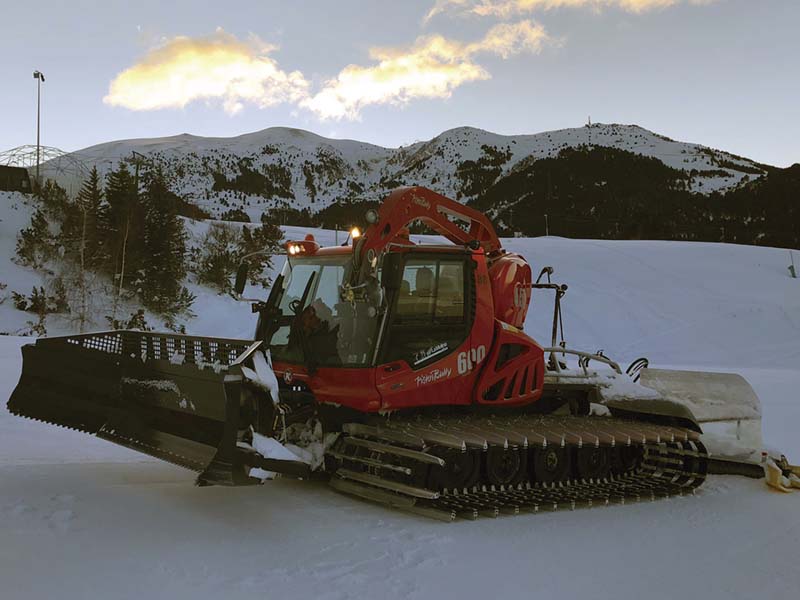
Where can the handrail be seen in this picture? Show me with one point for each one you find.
(588, 355)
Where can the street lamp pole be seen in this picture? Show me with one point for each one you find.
(39, 80)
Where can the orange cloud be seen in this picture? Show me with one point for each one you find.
(431, 68)
(223, 69)
(214, 68)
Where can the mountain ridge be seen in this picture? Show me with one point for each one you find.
(290, 168)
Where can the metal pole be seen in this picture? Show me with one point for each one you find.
(546, 225)
(39, 76)
(38, 124)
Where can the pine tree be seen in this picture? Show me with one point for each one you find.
(39, 243)
(266, 237)
(217, 257)
(121, 228)
(35, 244)
(164, 262)
(90, 200)
(81, 228)
(54, 198)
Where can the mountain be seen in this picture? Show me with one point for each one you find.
(607, 193)
(282, 167)
(600, 180)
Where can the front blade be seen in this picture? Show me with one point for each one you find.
(170, 396)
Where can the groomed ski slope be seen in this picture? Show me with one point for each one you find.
(81, 518)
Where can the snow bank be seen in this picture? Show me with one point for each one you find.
(678, 303)
(16, 210)
(106, 522)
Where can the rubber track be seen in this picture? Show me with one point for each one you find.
(674, 463)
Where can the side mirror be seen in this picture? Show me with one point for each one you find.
(241, 278)
(392, 271)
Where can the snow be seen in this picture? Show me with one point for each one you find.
(82, 518)
(271, 448)
(159, 385)
(263, 376)
(465, 143)
(16, 210)
(431, 163)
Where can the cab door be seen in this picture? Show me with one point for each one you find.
(427, 329)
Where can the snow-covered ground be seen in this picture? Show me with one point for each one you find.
(317, 171)
(81, 518)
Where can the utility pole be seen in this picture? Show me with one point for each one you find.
(39, 77)
(549, 202)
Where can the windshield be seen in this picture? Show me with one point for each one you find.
(313, 322)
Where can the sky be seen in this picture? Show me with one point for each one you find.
(718, 72)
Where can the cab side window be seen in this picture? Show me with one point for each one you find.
(429, 317)
(432, 290)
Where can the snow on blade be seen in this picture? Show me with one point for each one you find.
(263, 376)
(161, 385)
(271, 448)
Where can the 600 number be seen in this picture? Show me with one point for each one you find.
(468, 360)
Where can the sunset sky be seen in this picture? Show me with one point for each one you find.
(719, 72)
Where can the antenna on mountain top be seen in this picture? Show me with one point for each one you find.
(589, 127)
(791, 268)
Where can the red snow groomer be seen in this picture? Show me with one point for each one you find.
(401, 372)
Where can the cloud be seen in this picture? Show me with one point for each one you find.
(223, 69)
(508, 39)
(430, 68)
(215, 68)
(507, 8)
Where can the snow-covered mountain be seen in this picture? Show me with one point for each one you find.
(292, 168)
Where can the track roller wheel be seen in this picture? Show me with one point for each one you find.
(592, 462)
(694, 464)
(626, 459)
(505, 466)
(461, 470)
(550, 464)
